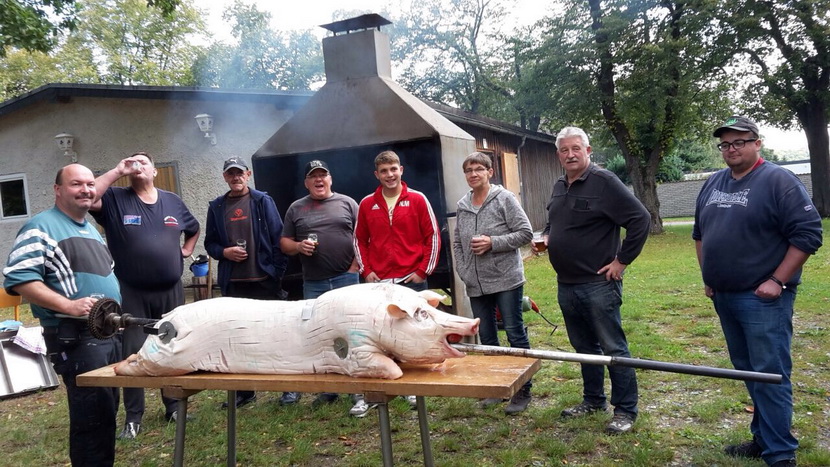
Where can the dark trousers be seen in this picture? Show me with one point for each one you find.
(592, 318)
(152, 304)
(92, 410)
(262, 290)
(509, 303)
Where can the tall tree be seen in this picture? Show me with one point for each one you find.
(22, 71)
(644, 68)
(262, 57)
(789, 45)
(34, 25)
(455, 52)
(136, 44)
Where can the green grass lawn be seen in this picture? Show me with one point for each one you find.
(685, 420)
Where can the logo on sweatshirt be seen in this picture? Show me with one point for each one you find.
(727, 200)
(171, 221)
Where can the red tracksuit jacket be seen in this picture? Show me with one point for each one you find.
(409, 243)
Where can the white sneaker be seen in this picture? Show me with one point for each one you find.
(361, 408)
(413, 402)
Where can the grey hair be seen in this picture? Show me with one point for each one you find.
(478, 158)
(571, 131)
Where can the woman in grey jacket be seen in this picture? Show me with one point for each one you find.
(490, 229)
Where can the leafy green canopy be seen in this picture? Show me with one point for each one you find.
(34, 24)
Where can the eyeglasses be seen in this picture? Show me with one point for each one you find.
(477, 170)
(737, 144)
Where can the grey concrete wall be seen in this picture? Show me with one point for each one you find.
(107, 130)
(678, 199)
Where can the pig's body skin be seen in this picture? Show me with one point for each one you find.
(355, 331)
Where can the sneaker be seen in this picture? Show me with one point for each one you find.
(413, 402)
(785, 463)
(325, 398)
(620, 423)
(749, 449)
(484, 403)
(242, 398)
(130, 431)
(289, 398)
(519, 401)
(361, 408)
(582, 409)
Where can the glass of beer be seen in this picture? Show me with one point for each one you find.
(539, 243)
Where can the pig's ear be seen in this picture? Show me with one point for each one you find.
(432, 298)
(395, 311)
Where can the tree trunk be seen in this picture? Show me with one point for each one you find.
(813, 118)
(644, 182)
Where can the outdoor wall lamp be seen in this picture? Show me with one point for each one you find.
(205, 122)
(65, 141)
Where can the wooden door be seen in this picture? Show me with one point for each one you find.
(510, 175)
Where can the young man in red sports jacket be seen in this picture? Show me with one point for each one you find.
(396, 236)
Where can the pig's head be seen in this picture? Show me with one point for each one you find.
(414, 330)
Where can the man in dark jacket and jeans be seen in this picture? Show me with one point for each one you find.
(243, 233)
(588, 207)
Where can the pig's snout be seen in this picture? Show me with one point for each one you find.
(460, 330)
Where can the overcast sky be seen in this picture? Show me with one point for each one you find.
(309, 14)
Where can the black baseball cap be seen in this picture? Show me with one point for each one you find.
(314, 165)
(738, 124)
(236, 162)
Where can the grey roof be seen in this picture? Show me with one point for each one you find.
(64, 92)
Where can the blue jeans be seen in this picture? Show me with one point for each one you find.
(509, 303)
(313, 289)
(758, 334)
(92, 410)
(416, 286)
(592, 318)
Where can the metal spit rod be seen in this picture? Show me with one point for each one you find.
(624, 361)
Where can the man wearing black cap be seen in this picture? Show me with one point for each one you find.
(243, 233)
(319, 228)
(755, 227)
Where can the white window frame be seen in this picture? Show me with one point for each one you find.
(12, 177)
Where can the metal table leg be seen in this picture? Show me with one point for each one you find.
(231, 428)
(181, 426)
(385, 433)
(423, 424)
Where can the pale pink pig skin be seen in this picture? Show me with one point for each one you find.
(361, 331)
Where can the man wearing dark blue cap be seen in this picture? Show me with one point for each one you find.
(755, 227)
(243, 233)
(319, 230)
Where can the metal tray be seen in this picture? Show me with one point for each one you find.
(22, 371)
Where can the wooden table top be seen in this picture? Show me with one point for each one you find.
(476, 376)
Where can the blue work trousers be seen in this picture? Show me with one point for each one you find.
(592, 317)
(758, 334)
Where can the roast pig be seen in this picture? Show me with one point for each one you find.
(358, 330)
